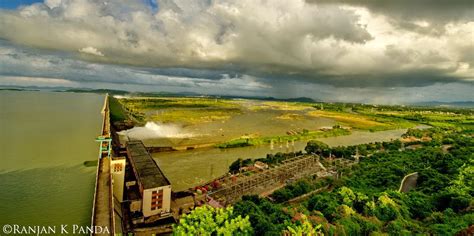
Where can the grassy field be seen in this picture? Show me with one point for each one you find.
(117, 112)
(364, 122)
(291, 118)
(306, 135)
(181, 110)
(185, 102)
(192, 110)
(440, 119)
(194, 116)
(282, 106)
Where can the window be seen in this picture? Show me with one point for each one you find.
(156, 199)
(118, 167)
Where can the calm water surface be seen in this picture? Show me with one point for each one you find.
(45, 138)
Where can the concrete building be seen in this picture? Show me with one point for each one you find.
(117, 169)
(149, 191)
(260, 165)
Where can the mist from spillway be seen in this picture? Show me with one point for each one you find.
(156, 130)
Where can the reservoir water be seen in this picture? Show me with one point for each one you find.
(45, 138)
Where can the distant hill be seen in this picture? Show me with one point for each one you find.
(17, 89)
(123, 92)
(189, 94)
(23, 88)
(85, 90)
(298, 99)
(465, 104)
(456, 104)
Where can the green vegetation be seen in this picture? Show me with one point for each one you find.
(438, 117)
(298, 188)
(362, 116)
(117, 113)
(366, 201)
(304, 135)
(183, 102)
(270, 219)
(239, 163)
(364, 121)
(194, 116)
(194, 111)
(303, 227)
(207, 220)
(282, 106)
(316, 147)
(271, 160)
(181, 110)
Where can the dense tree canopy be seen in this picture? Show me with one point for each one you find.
(366, 200)
(213, 221)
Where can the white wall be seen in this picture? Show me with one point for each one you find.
(147, 194)
(118, 178)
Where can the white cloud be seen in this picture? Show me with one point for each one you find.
(188, 33)
(92, 51)
(52, 3)
(29, 67)
(36, 81)
(260, 41)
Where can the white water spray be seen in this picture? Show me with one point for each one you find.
(156, 130)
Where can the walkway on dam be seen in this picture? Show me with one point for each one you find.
(103, 209)
(102, 212)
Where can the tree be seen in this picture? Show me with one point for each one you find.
(315, 147)
(347, 196)
(419, 204)
(235, 166)
(454, 200)
(464, 183)
(266, 218)
(325, 202)
(282, 195)
(387, 209)
(207, 220)
(304, 227)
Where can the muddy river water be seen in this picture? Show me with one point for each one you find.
(45, 138)
(189, 168)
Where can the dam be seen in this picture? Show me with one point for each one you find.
(133, 195)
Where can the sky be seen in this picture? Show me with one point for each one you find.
(384, 51)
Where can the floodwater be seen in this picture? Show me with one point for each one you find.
(45, 138)
(257, 123)
(186, 169)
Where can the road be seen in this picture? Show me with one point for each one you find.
(408, 182)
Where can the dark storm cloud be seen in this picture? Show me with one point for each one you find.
(263, 44)
(404, 12)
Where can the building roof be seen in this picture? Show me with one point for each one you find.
(148, 173)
